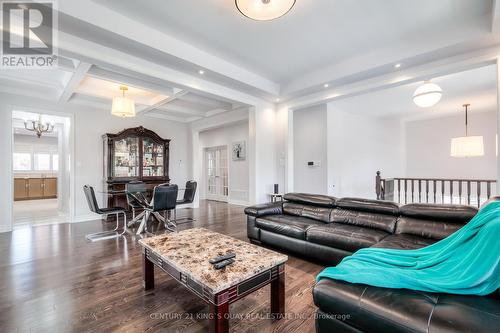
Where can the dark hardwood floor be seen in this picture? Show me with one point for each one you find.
(53, 280)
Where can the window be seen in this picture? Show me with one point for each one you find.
(42, 162)
(22, 161)
(55, 162)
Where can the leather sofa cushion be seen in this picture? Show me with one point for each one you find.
(311, 199)
(265, 209)
(447, 213)
(322, 214)
(368, 205)
(346, 237)
(291, 226)
(382, 222)
(404, 242)
(426, 228)
(373, 309)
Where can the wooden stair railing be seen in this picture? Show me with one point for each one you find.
(472, 192)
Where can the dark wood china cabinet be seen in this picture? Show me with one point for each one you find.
(134, 154)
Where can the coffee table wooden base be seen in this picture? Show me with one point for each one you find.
(219, 302)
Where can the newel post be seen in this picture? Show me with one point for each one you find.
(378, 185)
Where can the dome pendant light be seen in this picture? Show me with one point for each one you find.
(427, 95)
(467, 146)
(122, 106)
(264, 10)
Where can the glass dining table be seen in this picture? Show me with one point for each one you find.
(143, 198)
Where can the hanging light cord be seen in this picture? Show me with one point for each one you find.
(466, 118)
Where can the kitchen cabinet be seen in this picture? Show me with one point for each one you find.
(35, 188)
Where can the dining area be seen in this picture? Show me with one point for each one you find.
(145, 205)
(137, 190)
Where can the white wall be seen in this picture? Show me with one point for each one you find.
(428, 147)
(309, 140)
(358, 146)
(238, 170)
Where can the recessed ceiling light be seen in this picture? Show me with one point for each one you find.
(277, 99)
(326, 85)
(397, 65)
(201, 72)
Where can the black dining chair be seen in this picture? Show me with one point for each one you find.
(131, 189)
(164, 200)
(94, 207)
(189, 194)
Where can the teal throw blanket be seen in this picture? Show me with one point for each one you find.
(466, 262)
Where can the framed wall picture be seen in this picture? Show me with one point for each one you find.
(239, 151)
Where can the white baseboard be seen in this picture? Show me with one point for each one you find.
(238, 203)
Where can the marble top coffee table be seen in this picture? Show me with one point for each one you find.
(184, 256)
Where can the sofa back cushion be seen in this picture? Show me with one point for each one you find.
(432, 220)
(322, 214)
(375, 214)
(311, 199)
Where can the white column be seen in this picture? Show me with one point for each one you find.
(196, 162)
(6, 177)
(498, 127)
(262, 152)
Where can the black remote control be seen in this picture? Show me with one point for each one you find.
(223, 264)
(221, 258)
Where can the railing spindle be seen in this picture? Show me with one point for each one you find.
(419, 190)
(412, 190)
(478, 194)
(451, 191)
(488, 190)
(434, 189)
(460, 192)
(468, 192)
(442, 191)
(427, 191)
(399, 190)
(406, 190)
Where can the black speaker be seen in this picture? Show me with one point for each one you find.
(276, 188)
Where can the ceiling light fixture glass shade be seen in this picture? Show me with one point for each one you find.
(264, 10)
(122, 106)
(467, 146)
(427, 95)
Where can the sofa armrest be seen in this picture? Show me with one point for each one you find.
(272, 208)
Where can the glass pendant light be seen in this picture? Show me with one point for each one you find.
(122, 106)
(467, 146)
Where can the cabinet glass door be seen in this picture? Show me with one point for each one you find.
(152, 160)
(126, 158)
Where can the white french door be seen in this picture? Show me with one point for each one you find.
(216, 173)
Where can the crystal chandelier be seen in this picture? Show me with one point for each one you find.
(38, 127)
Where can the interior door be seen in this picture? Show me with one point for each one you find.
(217, 187)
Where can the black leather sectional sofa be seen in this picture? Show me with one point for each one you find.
(327, 229)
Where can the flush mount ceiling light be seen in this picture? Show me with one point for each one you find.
(427, 95)
(264, 10)
(467, 146)
(122, 106)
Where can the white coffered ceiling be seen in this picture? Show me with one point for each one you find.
(157, 48)
(314, 34)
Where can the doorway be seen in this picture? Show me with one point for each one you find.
(40, 169)
(216, 171)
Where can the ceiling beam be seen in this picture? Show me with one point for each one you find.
(137, 80)
(161, 102)
(75, 80)
(495, 16)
